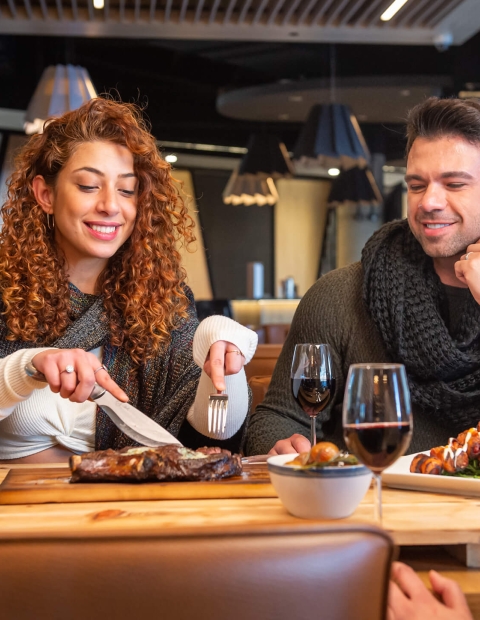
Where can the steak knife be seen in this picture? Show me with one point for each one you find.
(131, 421)
(127, 418)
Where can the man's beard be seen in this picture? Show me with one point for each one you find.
(441, 248)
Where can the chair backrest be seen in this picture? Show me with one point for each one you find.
(264, 360)
(276, 333)
(330, 573)
(259, 387)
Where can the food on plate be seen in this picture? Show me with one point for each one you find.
(323, 454)
(164, 463)
(461, 456)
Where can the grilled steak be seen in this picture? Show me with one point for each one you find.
(165, 463)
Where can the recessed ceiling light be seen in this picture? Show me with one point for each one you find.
(333, 172)
(98, 4)
(405, 92)
(392, 10)
(283, 117)
(171, 159)
(296, 98)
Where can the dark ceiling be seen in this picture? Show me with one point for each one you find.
(179, 81)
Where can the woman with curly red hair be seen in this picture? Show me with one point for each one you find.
(92, 289)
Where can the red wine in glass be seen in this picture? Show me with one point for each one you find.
(312, 380)
(313, 395)
(378, 444)
(377, 418)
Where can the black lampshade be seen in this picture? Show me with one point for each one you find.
(331, 137)
(355, 186)
(266, 155)
(252, 184)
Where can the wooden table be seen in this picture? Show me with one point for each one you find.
(424, 525)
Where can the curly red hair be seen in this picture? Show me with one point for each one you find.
(142, 284)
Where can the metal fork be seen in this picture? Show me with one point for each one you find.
(217, 412)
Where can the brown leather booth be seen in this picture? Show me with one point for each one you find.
(264, 360)
(259, 387)
(330, 573)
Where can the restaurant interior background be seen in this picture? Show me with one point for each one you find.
(210, 73)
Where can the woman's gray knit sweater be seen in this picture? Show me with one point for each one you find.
(333, 312)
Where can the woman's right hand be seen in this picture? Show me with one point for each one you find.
(77, 385)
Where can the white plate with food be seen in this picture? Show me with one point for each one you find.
(399, 476)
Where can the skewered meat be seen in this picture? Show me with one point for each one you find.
(453, 457)
(424, 464)
(165, 463)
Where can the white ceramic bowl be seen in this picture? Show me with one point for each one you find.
(326, 493)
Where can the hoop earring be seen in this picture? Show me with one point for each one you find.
(50, 222)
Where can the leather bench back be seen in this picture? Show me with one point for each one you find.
(331, 573)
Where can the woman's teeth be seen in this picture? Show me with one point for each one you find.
(103, 229)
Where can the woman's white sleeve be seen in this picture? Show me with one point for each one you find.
(15, 385)
(209, 331)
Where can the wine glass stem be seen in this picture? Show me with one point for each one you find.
(313, 431)
(378, 498)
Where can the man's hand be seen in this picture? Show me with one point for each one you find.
(295, 443)
(409, 599)
(467, 269)
(224, 358)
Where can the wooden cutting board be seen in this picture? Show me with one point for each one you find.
(42, 485)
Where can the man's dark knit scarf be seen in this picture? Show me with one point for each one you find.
(407, 302)
(164, 388)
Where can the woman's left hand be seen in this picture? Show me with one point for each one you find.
(224, 358)
(467, 269)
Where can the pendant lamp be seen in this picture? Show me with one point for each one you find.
(355, 186)
(253, 183)
(331, 138)
(61, 88)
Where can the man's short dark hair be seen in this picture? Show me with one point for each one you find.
(436, 117)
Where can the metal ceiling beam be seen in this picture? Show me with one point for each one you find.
(441, 14)
(352, 10)
(421, 17)
(275, 11)
(409, 12)
(336, 12)
(197, 20)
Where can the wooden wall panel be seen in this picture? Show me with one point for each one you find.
(194, 259)
(300, 217)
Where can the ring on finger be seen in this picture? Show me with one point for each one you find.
(102, 367)
(69, 368)
(237, 351)
(467, 255)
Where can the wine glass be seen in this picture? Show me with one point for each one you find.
(377, 418)
(313, 383)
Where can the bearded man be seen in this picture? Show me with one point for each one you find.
(414, 298)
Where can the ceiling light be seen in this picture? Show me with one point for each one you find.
(392, 10)
(283, 117)
(333, 172)
(405, 92)
(171, 159)
(253, 184)
(98, 4)
(296, 98)
(61, 88)
(355, 186)
(331, 138)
